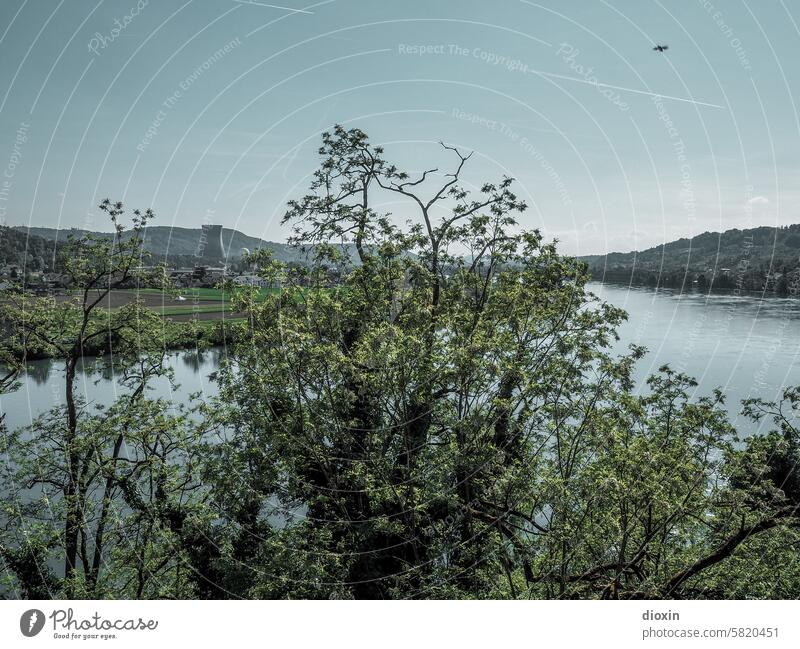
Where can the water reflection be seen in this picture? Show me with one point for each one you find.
(42, 384)
(195, 360)
(747, 345)
(39, 371)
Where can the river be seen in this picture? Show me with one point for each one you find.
(746, 345)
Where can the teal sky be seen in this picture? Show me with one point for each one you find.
(210, 110)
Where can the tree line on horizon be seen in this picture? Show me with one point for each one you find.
(760, 259)
(763, 259)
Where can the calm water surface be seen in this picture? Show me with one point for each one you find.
(746, 345)
(749, 347)
(42, 385)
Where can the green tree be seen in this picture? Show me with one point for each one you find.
(405, 410)
(430, 409)
(81, 324)
(448, 420)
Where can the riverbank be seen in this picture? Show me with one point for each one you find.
(192, 318)
(695, 289)
(185, 332)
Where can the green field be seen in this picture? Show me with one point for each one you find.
(183, 310)
(206, 304)
(190, 293)
(202, 294)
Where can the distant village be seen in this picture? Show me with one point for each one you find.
(197, 277)
(211, 267)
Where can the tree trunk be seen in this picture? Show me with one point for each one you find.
(73, 515)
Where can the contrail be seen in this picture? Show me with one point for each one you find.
(264, 4)
(638, 92)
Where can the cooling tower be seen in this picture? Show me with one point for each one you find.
(211, 244)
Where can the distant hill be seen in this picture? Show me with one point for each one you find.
(763, 258)
(31, 252)
(165, 241)
(722, 249)
(752, 259)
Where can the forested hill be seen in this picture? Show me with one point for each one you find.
(32, 252)
(756, 258)
(164, 241)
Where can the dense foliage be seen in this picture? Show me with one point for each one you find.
(445, 422)
(27, 252)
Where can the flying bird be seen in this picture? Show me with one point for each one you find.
(660, 48)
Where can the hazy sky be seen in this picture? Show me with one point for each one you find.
(211, 110)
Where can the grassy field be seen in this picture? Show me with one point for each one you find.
(201, 294)
(182, 310)
(189, 293)
(198, 304)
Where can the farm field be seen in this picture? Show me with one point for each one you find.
(198, 303)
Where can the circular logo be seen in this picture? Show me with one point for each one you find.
(31, 622)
